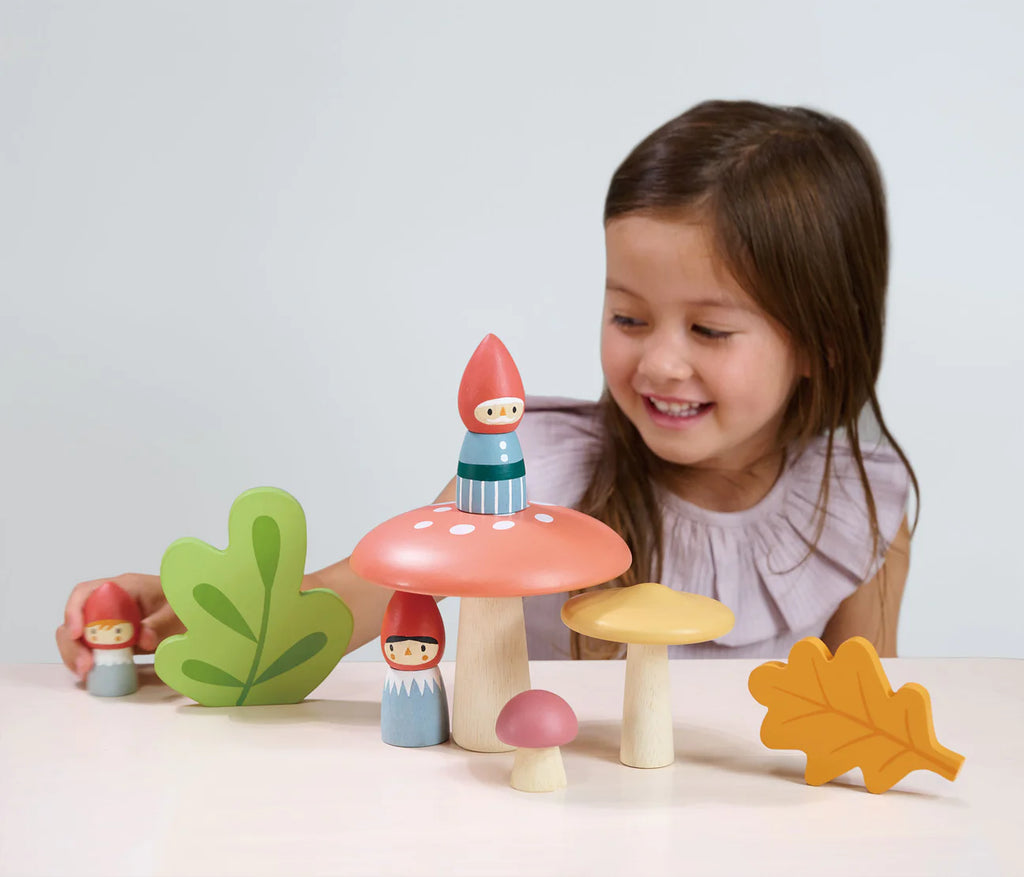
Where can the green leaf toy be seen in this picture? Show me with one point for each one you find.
(252, 637)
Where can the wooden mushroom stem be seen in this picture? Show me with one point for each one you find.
(538, 770)
(490, 668)
(647, 709)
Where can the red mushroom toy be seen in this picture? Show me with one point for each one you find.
(537, 723)
(491, 561)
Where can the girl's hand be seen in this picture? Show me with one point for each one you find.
(158, 619)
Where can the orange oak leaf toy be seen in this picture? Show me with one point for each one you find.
(842, 712)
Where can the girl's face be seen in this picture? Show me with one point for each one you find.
(701, 372)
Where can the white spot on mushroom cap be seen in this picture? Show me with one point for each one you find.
(442, 508)
(461, 529)
(503, 525)
(421, 524)
(544, 519)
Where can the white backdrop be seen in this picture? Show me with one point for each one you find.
(253, 243)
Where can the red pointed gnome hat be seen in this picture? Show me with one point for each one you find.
(412, 615)
(490, 374)
(110, 604)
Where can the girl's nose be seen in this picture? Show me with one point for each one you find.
(665, 359)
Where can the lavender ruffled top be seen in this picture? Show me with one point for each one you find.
(749, 560)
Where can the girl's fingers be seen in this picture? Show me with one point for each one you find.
(83, 663)
(158, 626)
(73, 609)
(76, 656)
(159, 620)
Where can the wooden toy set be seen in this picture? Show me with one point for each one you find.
(253, 638)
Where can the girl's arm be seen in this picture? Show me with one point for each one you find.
(366, 600)
(873, 610)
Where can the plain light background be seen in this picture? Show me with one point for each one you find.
(252, 243)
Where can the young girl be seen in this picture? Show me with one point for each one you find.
(747, 261)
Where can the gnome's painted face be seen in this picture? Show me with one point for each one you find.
(499, 412)
(412, 632)
(416, 651)
(110, 633)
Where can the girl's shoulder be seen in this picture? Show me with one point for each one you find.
(560, 438)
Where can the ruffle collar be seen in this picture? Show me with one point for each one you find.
(779, 565)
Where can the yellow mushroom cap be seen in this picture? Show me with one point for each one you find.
(648, 613)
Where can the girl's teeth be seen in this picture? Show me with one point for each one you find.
(676, 409)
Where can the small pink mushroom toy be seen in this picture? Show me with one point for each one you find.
(537, 722)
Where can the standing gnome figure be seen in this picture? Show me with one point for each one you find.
(112, 624)
(491, 478)
(414, 706)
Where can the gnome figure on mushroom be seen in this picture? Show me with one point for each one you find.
(489, 557)
(112, 622)
(491, 477)
(414, 706)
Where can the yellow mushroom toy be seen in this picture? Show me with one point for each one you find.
(648, 617)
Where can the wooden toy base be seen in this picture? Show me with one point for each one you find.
(492, 641)
(647, 739)
(538, 770)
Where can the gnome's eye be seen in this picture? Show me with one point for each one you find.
(392, 648)
(423, 648)
(514, 409)
(117, 630)
(490, 412)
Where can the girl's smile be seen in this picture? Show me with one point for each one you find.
(676, 413)
(702, 373)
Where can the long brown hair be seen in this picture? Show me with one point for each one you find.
(796, 207)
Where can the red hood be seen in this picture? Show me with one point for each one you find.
(410, 615)
(490, 374)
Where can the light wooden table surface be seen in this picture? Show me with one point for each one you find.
(152, 784)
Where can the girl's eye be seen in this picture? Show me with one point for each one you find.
(713, 334)
(626, 322)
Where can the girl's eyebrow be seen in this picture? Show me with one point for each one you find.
(708, 301)
(614, 286)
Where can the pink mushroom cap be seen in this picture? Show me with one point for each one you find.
(536, 719)
(440, 550)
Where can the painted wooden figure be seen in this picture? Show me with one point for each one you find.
(491, 477)
(414, 705)
(112, 623)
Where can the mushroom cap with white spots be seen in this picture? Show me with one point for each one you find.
(439, 550)
(648, 613)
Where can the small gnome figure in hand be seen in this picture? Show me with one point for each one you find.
(112, 623)
(414, 706)
(491, 478)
